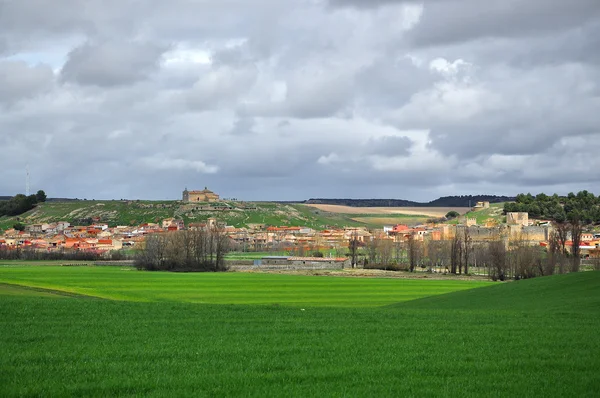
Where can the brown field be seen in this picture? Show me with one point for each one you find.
(410, 220)
(411, 211)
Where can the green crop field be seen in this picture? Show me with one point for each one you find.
(282, 335)
(128, 284)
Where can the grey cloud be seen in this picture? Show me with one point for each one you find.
(287, 100)
(463, 20)
(316, 98)
(390, 83)
(220, 86)
(450, 21)
(243, 126)
(111, 63)
(308, 97)
(19, 80)
(389, 146)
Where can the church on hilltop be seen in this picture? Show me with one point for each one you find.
(206, 195)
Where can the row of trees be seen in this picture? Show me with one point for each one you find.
(20, 204)
(583, 206)
(191, 250)
(501, 257)
(31, 254)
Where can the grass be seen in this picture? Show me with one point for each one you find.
(130, 213)
(227, 288)
(494, 212)
(526, 338)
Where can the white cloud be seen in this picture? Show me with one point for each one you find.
(173, 164)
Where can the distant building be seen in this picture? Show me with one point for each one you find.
(517, 218)
(471, 221)
(206, 195)
(481, 206)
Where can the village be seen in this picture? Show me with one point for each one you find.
(330, 244)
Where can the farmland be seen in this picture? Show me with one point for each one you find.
(225, 288)
(389, 211)
(271, 335)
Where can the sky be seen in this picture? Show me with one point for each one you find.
(297, 99)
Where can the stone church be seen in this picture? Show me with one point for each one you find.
(206, 195)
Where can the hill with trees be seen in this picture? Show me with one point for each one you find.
(583, 206)
(444, 201)
(20, 204)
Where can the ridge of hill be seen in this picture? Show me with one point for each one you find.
(237, 214)
(444, 201)
(555, 293)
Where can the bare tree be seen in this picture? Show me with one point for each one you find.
(373, 250)
(386, 248)
(497, 260)
(456, 255)
(576, 230)
(414, 252)
(562, 231)
(353, 245)
(555, 255)
(467, 248)
(200, 250)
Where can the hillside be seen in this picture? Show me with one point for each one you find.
(557, 293)
(445, 201)
(238, 214)
(494, 212)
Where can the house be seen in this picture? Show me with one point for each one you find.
(38, 228)
(172, 224)
(62, 225)
(586, 236)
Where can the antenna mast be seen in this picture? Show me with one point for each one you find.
(27, 182)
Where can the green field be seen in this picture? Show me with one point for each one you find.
(281, 335)
(128, 284)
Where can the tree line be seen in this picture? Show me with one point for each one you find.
(31, 254)
(444, 201)
(501, 257)
(583, 207)
(20, 204)
(192, 250)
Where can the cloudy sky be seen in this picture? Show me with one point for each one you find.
(286, 100)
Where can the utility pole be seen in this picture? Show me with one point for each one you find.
(27, 180)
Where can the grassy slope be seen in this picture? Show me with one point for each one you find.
(494, 211)
(138, 212)
(452, 345)
(554, 293)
